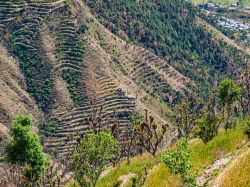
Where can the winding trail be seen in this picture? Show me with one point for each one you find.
(208, 172)
(217, 181)
(223, 165)
(125, 179)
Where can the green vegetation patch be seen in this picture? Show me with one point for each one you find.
(72, 77)
(168, 28)
(35, 68)
(201, 156)
(50, 128)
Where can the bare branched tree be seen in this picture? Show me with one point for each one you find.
(56, 174)
(149, 135)
(245, 85)
(126, 140)
(185, 116)
(12, 176)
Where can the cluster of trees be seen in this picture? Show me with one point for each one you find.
(72, 77)
(90, 157)
(205, 119)
(35, 68)
(169, 28)
(100, 147)
(193, 118)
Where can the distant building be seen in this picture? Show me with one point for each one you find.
(232, 24)
(234, 5)
(210, 5)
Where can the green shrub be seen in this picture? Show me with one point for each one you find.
(68, 2)
(24, 148)
(231, 123)
(208, 128)
(83, 28)
(178, 161)
(94, 153)
(72, 77)
(247, 130)
(125, 114)
(50, 128)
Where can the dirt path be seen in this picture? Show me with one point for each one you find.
(208, 172)
(125, 179)
(222, 165)
(106, 172)
(217, 181)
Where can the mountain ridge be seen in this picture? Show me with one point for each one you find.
(68, 61)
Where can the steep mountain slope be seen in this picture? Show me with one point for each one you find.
(14, 99)
(65, 69)
(60, 63)
(169, 29)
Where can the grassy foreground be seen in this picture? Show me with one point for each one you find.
(202, 155)
(241, 169)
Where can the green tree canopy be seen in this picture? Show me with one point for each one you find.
(94, 152)
(24, 148)
(228, 92)
(179, 162)
(208, 127)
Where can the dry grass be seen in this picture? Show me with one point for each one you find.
(162, 177)
(202, 156)
(226, 142)
(238, 173)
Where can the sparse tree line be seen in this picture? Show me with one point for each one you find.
(229, 101)
(26, 160)
(28, 165)
(226, 107)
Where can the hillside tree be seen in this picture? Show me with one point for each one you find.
(186, 115)
(149, 135)
(245, 85)
(24, 148)
(93, 154)
(228, 92)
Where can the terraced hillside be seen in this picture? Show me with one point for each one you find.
(66, 65)
(169, 30)
(66, 75)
